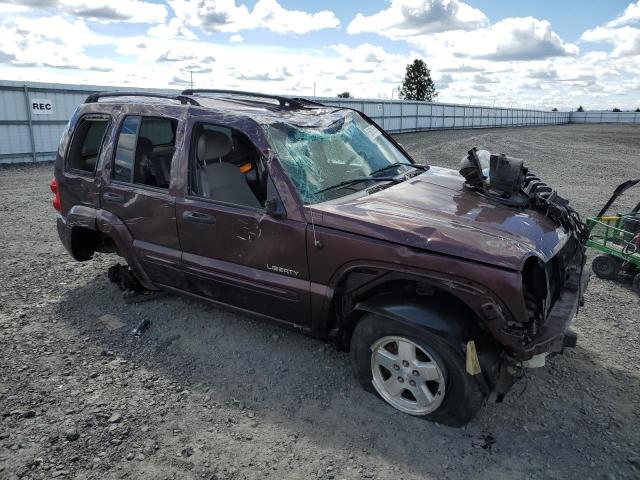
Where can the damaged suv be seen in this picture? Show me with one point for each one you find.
(444, 286)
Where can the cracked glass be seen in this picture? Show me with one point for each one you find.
(318, 158)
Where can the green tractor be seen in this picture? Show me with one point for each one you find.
(618, 238)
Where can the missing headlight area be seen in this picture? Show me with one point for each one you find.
(535, 287)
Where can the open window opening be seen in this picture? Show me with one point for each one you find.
(227, 167)
(145, 149)
(86, 143)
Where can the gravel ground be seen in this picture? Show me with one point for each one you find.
(209, 394)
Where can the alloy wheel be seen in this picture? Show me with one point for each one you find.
(407, 376)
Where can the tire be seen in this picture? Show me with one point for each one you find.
(605, 266)
(456, 395)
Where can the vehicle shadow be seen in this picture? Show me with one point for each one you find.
(306, 387)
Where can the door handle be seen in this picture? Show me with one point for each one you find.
(199, 217)
(113, 197)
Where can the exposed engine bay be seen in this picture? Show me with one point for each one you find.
(506, 180)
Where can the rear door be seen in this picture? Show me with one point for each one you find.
(233, 252)
(138, 192)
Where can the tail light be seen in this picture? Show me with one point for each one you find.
(53, 184)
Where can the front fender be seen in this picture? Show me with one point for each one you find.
(453, 322)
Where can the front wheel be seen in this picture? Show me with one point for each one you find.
(414, 371)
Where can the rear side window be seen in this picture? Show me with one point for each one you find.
(86, 143)
(145, 148)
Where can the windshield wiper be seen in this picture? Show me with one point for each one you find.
(391, 165)
(358, 180)
(424, 168)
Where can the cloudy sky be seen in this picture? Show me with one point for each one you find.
(547, 53)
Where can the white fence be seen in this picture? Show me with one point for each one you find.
(405, 116)
(31, 133)
(605, 117)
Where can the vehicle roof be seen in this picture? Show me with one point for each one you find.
(269, 112)
(263, 110)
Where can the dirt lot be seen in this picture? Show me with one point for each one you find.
(210, 394)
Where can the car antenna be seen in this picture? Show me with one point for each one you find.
(316, 243)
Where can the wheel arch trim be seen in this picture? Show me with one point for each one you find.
(105, 222)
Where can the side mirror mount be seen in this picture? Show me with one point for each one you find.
(274, 207)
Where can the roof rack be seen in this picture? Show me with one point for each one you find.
(309, 102)
(283, 101)
(94, 97)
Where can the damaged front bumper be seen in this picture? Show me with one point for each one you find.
(555, 334)
(553, 337)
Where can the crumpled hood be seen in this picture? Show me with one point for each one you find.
(433, 211)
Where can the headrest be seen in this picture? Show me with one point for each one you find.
(212, 144)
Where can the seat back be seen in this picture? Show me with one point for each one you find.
(222, 181)
(227, 184)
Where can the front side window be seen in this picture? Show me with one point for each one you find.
(225, 166)
(145, 149)
(317, 159)
(86, 143)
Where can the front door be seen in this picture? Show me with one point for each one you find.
(138, 193)
(233, 252)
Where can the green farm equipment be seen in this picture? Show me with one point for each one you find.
(618, 238)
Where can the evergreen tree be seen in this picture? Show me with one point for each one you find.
(344, 94)
(417, 84)
(580, 109)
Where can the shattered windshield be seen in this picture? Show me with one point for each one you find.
(331, 161)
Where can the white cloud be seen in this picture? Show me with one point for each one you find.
(174, 29)
(415, 17)
(226, 16)
(270, 14)
(511, 39)
(101, 10)
(516, 60)
(365, 53)
(630, 15)
(53, 42)
(524, 38)
(625, 40)
(435, 26)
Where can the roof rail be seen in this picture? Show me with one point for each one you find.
(94, 97)
(283, 101)
(309, 102)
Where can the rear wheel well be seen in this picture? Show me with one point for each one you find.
(85, 242)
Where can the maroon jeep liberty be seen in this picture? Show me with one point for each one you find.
(443, 285)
